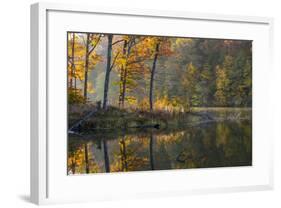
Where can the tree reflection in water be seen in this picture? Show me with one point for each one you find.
(221, 144)
(151, 150)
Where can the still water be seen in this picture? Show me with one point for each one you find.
(216, 144)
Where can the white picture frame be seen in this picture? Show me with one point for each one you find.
(49, 184)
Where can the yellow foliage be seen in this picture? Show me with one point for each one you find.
(90, 88)
(144, 104)
(182, 41)
(169, 105)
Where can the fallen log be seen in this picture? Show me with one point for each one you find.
(76, 127)
(156, 126)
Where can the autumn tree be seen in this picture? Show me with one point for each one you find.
(91, 58)
(72, 60)
(223, 82)
(75, 66)
(189, 81)
(159, 46)
(130, 66)
(123, 68)
(109, 66)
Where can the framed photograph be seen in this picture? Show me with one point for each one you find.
(137, 103)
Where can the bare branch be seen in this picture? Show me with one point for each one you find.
(112, 65)
(94, 45)
(118, 41)
(140, 40)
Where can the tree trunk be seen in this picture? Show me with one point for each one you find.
(152, 77)
(72, 58)
(86, 67)
(108, 69)
(124, 87)
(121, 89)
(86, 159)
(125, 74)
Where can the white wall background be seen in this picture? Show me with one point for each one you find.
(14, 102)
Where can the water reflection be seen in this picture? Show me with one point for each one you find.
(221, 144)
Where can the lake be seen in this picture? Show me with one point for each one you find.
(206, 145)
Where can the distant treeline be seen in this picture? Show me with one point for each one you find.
(212, 73)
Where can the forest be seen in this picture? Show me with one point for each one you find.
(121, 84)
(155, 72)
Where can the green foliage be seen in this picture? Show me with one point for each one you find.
(189, 83)
(223, 83)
